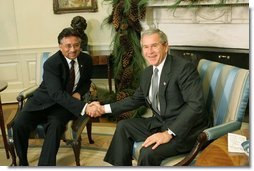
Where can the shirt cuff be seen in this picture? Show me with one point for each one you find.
(84, 110)
(107, 108)
(171, 132)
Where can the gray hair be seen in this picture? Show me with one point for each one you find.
(163, 36)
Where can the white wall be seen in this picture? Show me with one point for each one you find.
(29, 27)
(33, 24)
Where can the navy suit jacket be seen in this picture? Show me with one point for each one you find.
(182, 107)
(52, 90)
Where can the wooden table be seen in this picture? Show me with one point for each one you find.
(3, 86)
(216, 153)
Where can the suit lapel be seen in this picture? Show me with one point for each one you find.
(65, 69)
(148, 78)
(81, 69)
(164, 81)
(81, 66)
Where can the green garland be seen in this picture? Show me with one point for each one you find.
(127, 58)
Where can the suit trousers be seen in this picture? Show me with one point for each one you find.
(54, 120)
(135, 130)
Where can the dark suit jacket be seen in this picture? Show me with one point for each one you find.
(52, 90)
(182, 107)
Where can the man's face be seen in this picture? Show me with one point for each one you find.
(153, 50)
(70, 47)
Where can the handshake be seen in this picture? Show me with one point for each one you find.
(95, 109)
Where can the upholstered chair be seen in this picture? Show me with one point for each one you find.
(226, 90)
(72, 135)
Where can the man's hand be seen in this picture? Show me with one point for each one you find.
(94, 109)
(76, 96)
(157, 139)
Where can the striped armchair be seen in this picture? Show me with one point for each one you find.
(226, 92)
(73, 131)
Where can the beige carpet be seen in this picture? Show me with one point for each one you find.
(91, 154)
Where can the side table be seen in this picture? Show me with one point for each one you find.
(216, 153)
(3, 86)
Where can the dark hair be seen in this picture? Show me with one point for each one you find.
(67, 32)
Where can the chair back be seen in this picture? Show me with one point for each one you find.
(40, 59)
(226, 93)
(226, 90)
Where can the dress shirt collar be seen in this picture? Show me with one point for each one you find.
(160, 66)
(69, 61)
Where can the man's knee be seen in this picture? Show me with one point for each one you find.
(146, 152)
(19, 124)
(121, 125)
(56, 125)
(148, 157)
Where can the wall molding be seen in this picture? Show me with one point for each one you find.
(158, 12)
(186, 4)
(18, 68)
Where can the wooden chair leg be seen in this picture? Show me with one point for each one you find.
(76, 146)
(89, 131)
(13, 154)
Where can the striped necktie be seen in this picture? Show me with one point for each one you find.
(155, 88)
(71, 78)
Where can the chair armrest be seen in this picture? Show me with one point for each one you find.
(201, 140)
(188, 158)
(79, 124)
(220, 130)
(207, 135)
(20, 98)
(26, 93)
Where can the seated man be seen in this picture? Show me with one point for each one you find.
(66, 78)
(173, 86)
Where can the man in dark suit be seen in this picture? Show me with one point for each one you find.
(55, 102)
(179, 109)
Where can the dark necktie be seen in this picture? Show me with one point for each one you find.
(155, 88)
(71, 78)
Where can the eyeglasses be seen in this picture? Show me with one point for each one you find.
(69, 46)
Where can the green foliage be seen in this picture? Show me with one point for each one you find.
(127, 58)
(138, 62)
(104, 96)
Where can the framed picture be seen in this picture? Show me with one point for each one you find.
(72, 6)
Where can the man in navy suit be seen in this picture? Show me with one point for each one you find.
(179, 113)
(51, 104)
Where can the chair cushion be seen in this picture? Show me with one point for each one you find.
(170, 161)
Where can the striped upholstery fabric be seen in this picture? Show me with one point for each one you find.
(39, 65)
(226, 93)
(226, 90)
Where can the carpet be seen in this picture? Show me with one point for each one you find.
(90, 155)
